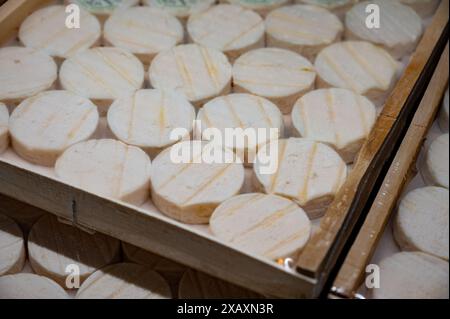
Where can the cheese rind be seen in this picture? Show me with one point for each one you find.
(189, 189)
(148, 117)
(44, 125)
(198, 72)
(282, 76)
(424, 8)
(412, 275)
(443, 114)
(307, 172)
(143, 31)
(435, 169)
(338, 7)
(399, 31)
(4, 131)
(263, 7)
(422, 221)
(304, 29)
(124, 281)
(47, 29)
(179, 8)
(337, 117)
(30, 286)
(265, 225)
(12, 249)
(24, 72)
(107, 168)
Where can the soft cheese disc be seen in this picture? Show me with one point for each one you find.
(12, 247)
(304, 29)
(400, 26)
(422, 221)
(263, 7)
(104, 7)
(30, 286)
(44, 125)
(245, 111)
(148, 117)
(359, 66)
(308, 172)
(412, 275)
(4, 134)
(24, 72)
(102, 74)
(124, 281)
(279, 75)
(189, 189)
(436, 166)
(143, 31)
(338, 7)
(424, 8)
(198, 72)
(108, 168)
(337, 117)
(227, 28)
(443, 114)
(46, 29)
(180, 8)
(53, 246)
(265, 225)
(198, 285)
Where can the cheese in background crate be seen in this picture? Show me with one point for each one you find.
(102, 75)
(338, 7)
(412, 275)
(190, 179)
(398, 39)
(263, 7)
(436, 166)
(265, 225)
(422, 220)
(253, 114)
(198, 285)
(44, 125)
(307, 172)
(107, 168)
(147, 118)
(180, 8)
(124, 281)
(24, 72)
(279, 75)
(143, 31)
(46, 29)
(4, 131)
(304, 29)
(359, 66)
(337, 117)
(53, 247)
(102, 9)
(30, 286)
(424, 8)
(198, 72)
(12, 247)
(443, 114)
(227, 28)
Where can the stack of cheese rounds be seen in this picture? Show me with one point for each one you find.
(263, 7)
(4, 134)
(435, 169)
(30, 286)
(12, 249)
(424, 8)
(181, 8)
(338, 7)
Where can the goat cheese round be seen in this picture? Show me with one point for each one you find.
(104, 8)
(181, 8)
(4, 131)
(338, 7)
(30, 286)
(12, 249)
(436, 166)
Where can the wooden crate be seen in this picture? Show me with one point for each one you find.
(200, 250)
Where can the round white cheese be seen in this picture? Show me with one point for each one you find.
(54, 246)
(107, 168)
(148, 117)
(227, 28)
(12, 248)
(255, 115)
(279, 75)
(338, 7)
(412, 275)
(198, 285)
(143, 31)
(198, 72)
(265, 225)
(102, 75)
(424, 8)
(263, 7)
(44, 125)
(422, 221)
(399, 31)
(181, 8)
(124, 281)
(436, 166)
(104, 8)
(443, 114)
(359, 66)
(47, 29)
(308, 172)
(24, 72)
(4, 131)
(30, 286)
(304, 29)
(190, 179)
(337, 117)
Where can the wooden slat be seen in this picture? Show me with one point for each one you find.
(400, 173)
